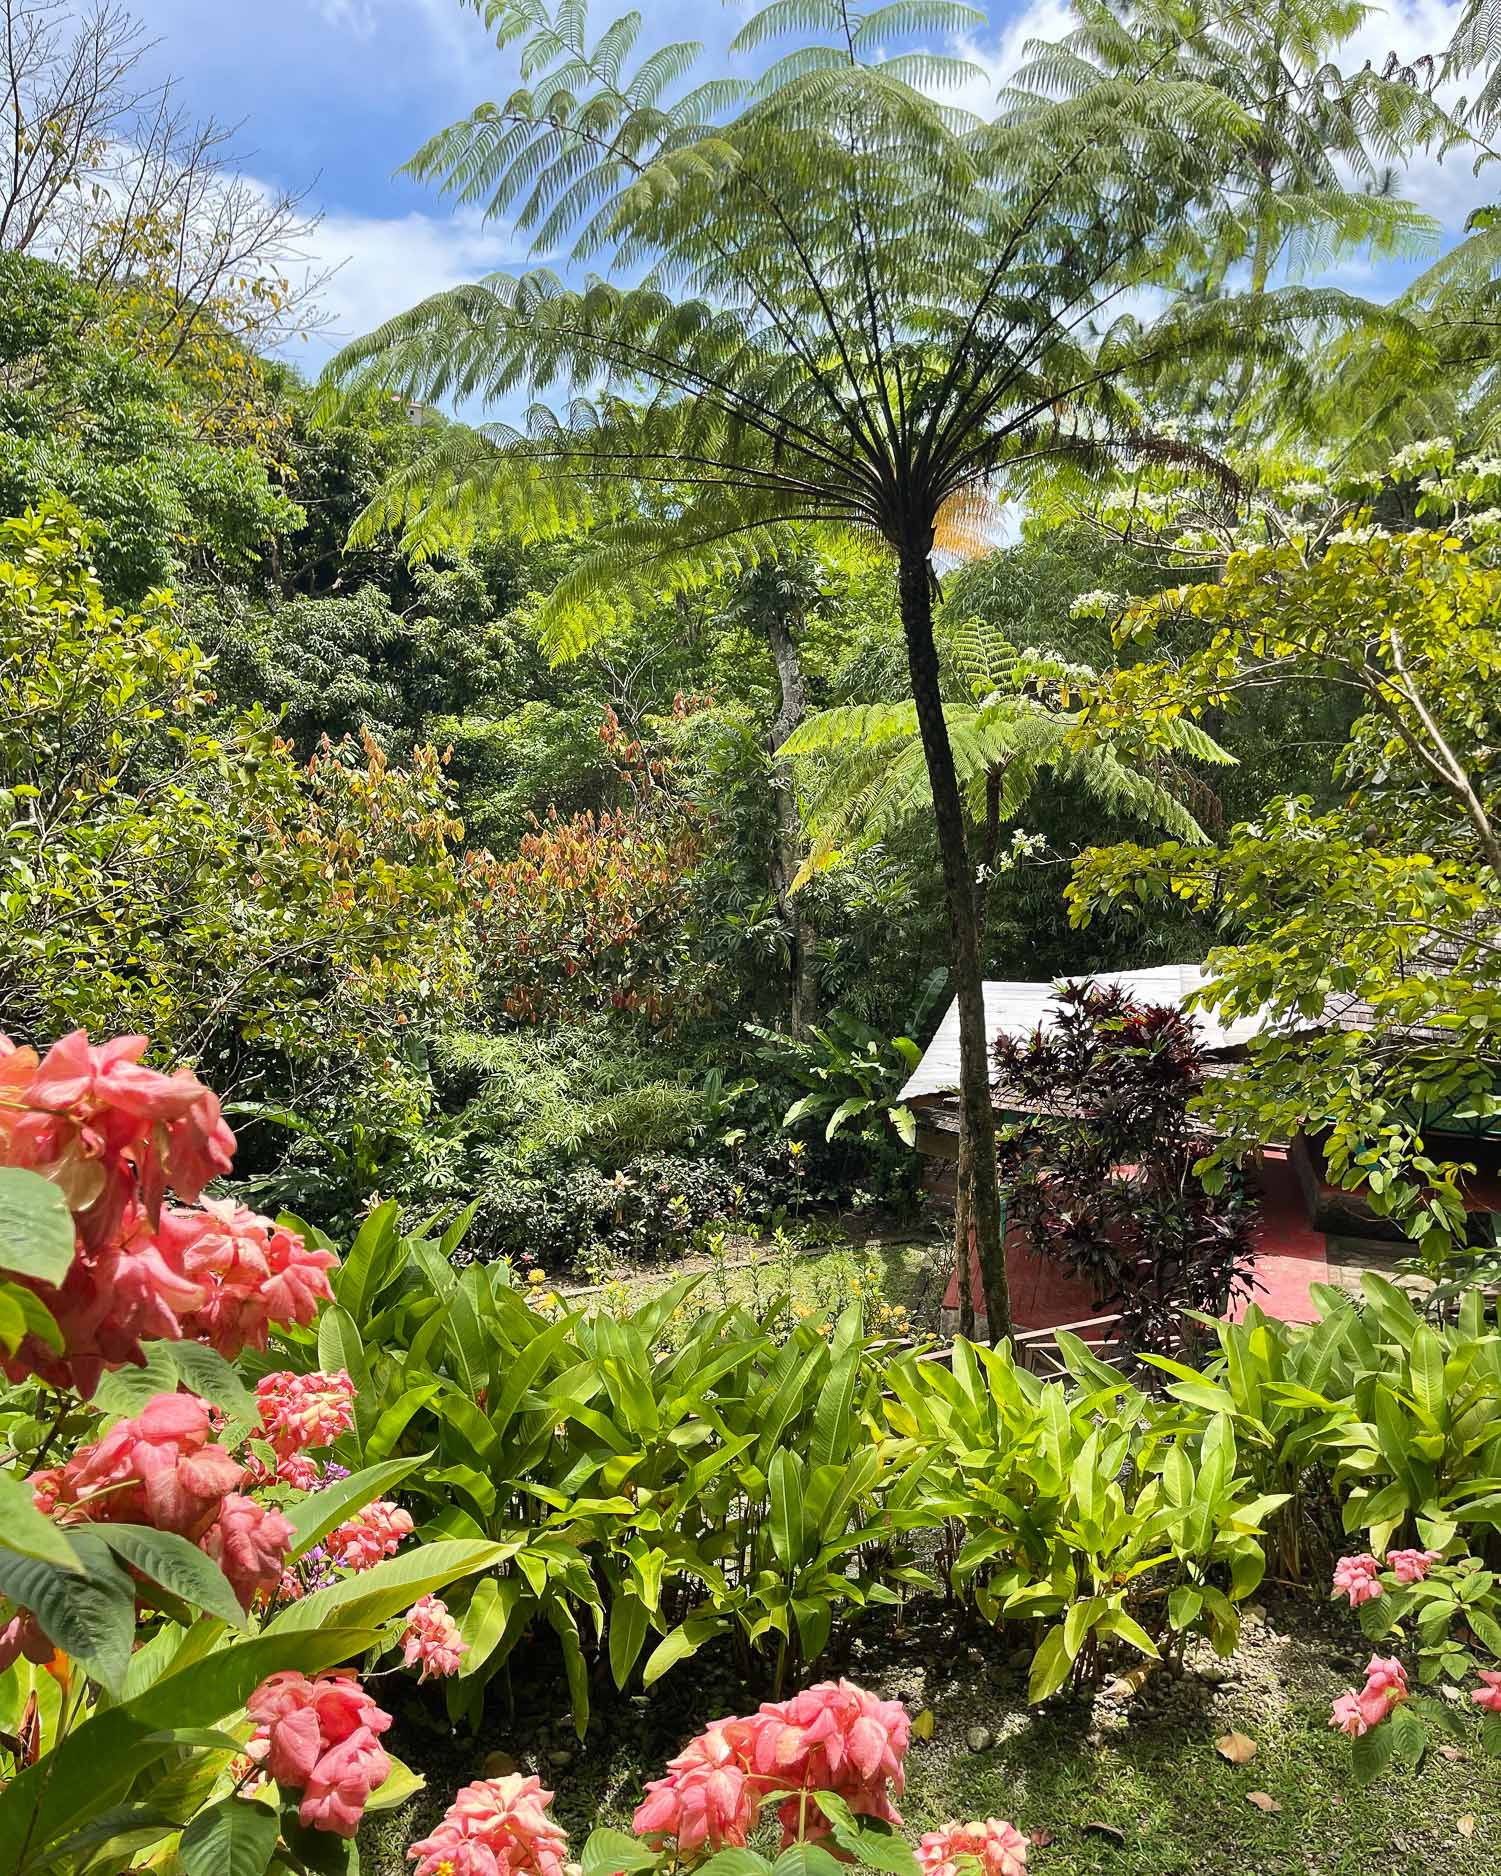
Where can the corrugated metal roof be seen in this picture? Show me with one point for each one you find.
(1019, 1010)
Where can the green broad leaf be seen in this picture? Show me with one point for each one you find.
(340, 1345)
(391, 1588)
(732, 1863)
(36, 1227)
(122, 1830)
(205, 1372)
(88, 1612)
(29, 1532)
(1409, 1735)
(402, 1784)
(39, 1320)
(1050, 1666)
(630, 1621)
(173, 1564)
(235, 1837)
(560, 1616)
(365, 1268)
(613, 1853)
(1127, 1629)
(678, 1644)
(808, 1859)
(785, 1478)
(313, 1517)
(905, 1122)
(1372, 1753)
(210, 1738)
(872, 1844)
(484, 1623)
(318, 1852)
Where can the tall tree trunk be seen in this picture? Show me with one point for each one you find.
(781, 634)
(977, 1221)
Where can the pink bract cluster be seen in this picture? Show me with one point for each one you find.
(1359, 1578)
(1385, 1688)
(497, 1827)
(834, 1737)
(321, 1737)
(431, 1637)
(369, 1536)
(998, 1847)
(114, 1136)
(162, 1469)
(1488, 1695)
(302, 1410)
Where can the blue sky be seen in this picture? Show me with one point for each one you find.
(343, 91)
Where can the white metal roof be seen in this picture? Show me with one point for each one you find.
(1019, 1010)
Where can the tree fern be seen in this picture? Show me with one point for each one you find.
(835, 299)
(861, 772)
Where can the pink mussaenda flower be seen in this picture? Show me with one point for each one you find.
(1358, 1578)
(370, 1535)
(249, 1543)
(302, 1410)
(342, 1783)
(320, 1737)
(1386, 1677)
(254, 1273)
(1411, 1566)
(156, 1469)
(707, 1801)
(998, 1846)
(104, 1129)
(496, 1827)
(1348, 1716)
(832, 1737)
(431, 1636)
(1488, 1697)
(1385, 1688)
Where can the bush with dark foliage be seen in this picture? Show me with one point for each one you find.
(1098, 1149)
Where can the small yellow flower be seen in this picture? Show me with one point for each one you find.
(536, 1276)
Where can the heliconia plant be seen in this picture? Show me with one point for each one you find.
(186, 1570)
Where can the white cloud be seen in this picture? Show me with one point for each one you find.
(386, 265)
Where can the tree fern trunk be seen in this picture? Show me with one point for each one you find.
(977, 1221)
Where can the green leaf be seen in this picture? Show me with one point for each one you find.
(1050, 1666)
(1372, 1753)
(172, 1563)
(28, 1531)
(629, 1623)
(607, 1852)
(391, 1587)
(205, 1372)
(36, 1227)
(401, 1784)
(235, 1837)
(486, 1620)
(340, 1345)
(313, 1517)
(89, 1615)
(786, 1481)
(678, 1644)
(875, 1845)
(364, 1270)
